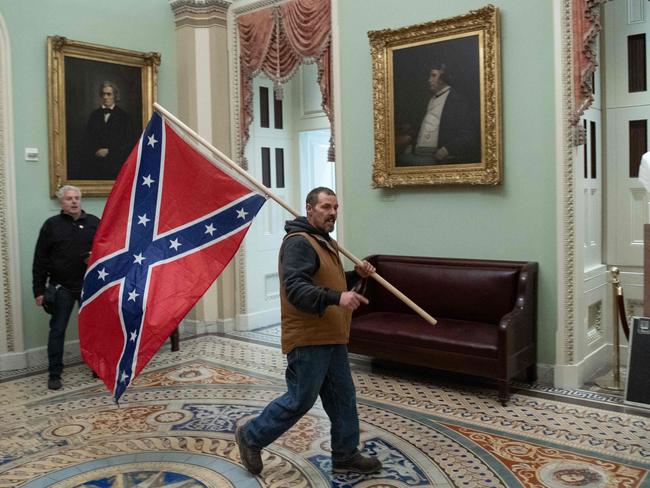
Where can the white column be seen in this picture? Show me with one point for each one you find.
(11, 331)
(203, 103)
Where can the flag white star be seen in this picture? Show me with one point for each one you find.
(124, 377)
(138, 258)
(146, 180)
(133, 295)
(209, 229)
(241, 214)
(134, 335)
(102, 274)
(142, 219)
(174, 244)
(152, 141)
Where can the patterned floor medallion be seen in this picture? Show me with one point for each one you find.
(175, 427)
(147, 475)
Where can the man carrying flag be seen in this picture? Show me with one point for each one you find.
(316, 312)
(154, 256)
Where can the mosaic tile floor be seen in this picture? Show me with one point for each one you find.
(591, 394)
(175, 426)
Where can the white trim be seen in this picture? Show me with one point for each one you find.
(545, 373)
(37, 356)
(252, 321)
(338, 117)
(239, 261)
(12, 342)
(559, 175)
(564, 373)
(194, 327)
(202, 61)
(573, 376)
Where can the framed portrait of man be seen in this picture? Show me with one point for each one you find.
(437, 116)
(99, 99)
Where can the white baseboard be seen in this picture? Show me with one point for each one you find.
(575, 375)
(545, 374)
(252, 321)
(196, 327)
(37, 357)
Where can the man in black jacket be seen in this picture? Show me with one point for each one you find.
(60, 259)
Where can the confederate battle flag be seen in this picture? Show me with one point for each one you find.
(174, 220)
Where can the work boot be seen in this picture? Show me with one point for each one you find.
(357, 464)
(54, 383)
(250, 458)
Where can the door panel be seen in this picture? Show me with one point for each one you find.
(627, 208)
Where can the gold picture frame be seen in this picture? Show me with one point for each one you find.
(455, 139)
(87, 147)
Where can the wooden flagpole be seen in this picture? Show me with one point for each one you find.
(232, 165)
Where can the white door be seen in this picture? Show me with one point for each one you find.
(627, 33)
(269, 154)
(315, 169)
(628, 209)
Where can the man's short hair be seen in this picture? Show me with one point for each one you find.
(116, 90)
(61, 191)
(446, 75)
(312, 196)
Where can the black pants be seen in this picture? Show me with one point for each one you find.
(63, 305)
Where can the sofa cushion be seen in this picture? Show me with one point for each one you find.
(474, 293)
(407, 329)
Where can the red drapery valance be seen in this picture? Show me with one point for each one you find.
(275, 41)
(586, 26)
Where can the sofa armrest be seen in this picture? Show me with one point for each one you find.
(518, 328)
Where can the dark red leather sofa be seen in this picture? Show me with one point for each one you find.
(486, 312)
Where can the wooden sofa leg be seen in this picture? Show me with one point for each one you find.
(175, 340)
(503, 392)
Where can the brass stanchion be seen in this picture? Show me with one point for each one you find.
(612, 380)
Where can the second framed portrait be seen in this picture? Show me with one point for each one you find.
(99, 99)
(437, 99)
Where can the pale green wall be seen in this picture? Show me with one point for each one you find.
(142, 25)
(513, 221)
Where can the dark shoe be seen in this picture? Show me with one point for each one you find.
(357, 464)
(95, 375)
(250, 458)
(54, 383)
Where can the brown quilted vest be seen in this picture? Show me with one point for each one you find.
(307, 329)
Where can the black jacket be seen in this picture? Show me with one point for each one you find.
(63, 244)
(299, 263)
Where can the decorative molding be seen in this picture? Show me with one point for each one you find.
(240, 280)
(12, 341)
(236, 144)
(567, 257)
(595, 322)
(200, 13)
(245, 7)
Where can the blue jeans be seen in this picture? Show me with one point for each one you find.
(63, 305)
(312, 371)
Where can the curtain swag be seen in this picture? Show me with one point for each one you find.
(276, 41)
(586, 26)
